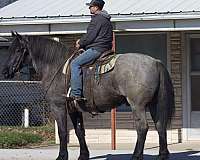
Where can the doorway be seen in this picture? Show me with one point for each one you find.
(193, 86)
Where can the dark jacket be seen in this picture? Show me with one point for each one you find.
(99, 33)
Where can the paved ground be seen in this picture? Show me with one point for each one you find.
(182, 151)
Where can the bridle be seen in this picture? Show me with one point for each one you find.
(20, 59)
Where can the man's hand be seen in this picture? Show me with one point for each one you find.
(77, 44)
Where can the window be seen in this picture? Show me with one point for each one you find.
(154, 45)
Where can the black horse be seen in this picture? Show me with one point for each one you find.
(139, 80)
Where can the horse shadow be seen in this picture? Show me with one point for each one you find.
(189, 155)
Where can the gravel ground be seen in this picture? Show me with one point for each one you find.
(183, 151)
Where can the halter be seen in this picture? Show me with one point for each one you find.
(19, 60)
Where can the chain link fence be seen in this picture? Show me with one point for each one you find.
(24, 111)
(18, 97)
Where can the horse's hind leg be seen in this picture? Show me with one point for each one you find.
(77, 120)
(162, 132)
(141, 128)
(161, 127)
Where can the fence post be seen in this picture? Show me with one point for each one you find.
(113, 111)
(56, 134)
(113, 128)
(26, 118)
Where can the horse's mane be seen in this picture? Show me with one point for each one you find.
(48, 50)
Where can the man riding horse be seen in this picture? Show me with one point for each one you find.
(97, 40)
(138, 80)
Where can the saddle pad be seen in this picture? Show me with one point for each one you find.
(103, 68)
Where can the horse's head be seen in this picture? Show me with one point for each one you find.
(18, 55)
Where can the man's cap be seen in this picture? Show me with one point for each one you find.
(99, 3)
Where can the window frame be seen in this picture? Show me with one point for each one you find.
(147, 33)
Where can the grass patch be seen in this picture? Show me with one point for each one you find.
(16, 139)
(19, 137)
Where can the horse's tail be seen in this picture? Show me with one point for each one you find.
(165, 96)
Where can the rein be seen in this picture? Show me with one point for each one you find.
(59, 68)
(20, 59)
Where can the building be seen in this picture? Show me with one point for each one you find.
(4, 3)
(165, 30)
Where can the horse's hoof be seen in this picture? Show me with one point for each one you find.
(163, 157)
(65, 157)
(136, 158)
(84, 157)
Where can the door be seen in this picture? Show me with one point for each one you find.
(194, 87)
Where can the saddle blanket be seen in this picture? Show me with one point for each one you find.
(108, 66)
(103, 68)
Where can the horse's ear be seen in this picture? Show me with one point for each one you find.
(21, 39)
(18, 36)
(13, 34)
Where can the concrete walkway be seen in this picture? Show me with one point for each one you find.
(182, 151)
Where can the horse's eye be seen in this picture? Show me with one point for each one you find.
(17, 50)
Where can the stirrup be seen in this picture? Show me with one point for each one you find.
(79, 98)
(68, 98)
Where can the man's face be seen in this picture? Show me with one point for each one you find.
(93, 9)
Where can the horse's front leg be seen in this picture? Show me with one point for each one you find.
(60, 115)
(141, 128)
(77, 120)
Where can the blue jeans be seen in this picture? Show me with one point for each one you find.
(76, 72)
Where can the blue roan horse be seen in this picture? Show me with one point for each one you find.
(139, 80)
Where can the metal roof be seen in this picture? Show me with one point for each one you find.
(6, 2)
(72, 16)
(77, 8)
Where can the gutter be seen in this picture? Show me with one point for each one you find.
(86, 18)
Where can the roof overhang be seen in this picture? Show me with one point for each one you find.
(78, 24)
